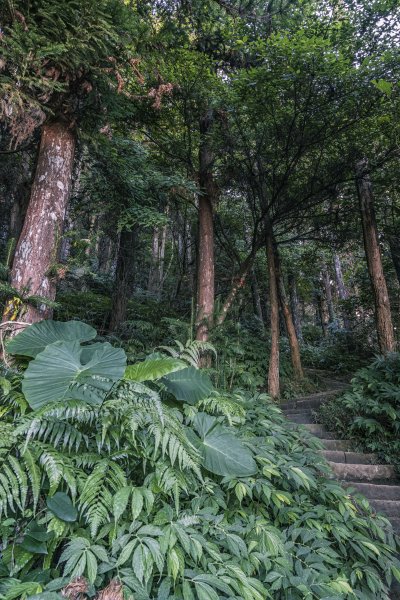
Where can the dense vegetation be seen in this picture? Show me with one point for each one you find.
(199, 219)
(150, 479)
(369, 412)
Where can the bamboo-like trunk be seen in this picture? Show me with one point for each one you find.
(38, 244)
(383, 317)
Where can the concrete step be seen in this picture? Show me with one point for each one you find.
(343, 445)
(311, 401)
(346, 472)
(395, 522)
(301, 417)
(375, 491)
(390, 508)
(320, 431)
(356, 458)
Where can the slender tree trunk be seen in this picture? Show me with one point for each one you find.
(256, 297)
(238, 283)
(383, 317)
(124, 278)
(153, 283)
(205, 273)
(394, 246)
(290, 329)
(37, 248)
(273, 370)
(328, 293)
(339, 277)
(294, 305)
(342, 291)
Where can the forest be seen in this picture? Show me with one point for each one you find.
(200, 299)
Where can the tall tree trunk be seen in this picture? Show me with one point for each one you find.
(152, 285)
(342, 291)
(124, 278)
(205, 266)
(339, 277)
(237, 284)
(256, 297)
(287, 315)
(383, 317)
(273, 370)
(294, 305)
(394, 246)
(37, 248)
(328, 293)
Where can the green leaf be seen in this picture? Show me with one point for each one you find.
(5, 385)
(188, 385)
(149, 370)
(205, 592)
(61, 506)
(36, 337)
(34, 546)
(73, 372)
(120, 502)
(222, 452)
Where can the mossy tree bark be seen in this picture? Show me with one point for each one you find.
(38, 244)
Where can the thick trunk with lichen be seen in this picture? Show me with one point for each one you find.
(205, 263)
(273, 369)
(383, 317)
(38, 244)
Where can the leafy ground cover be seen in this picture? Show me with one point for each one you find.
(145, 481)
(369, 412)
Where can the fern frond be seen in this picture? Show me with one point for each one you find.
(96, 498)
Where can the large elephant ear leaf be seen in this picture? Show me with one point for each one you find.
(222, 452)
(188, 385)
(36, 337)
(152, 369)
(73, 372)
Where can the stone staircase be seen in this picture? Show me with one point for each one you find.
(358, 471)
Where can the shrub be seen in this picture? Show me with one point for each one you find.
(158, 484)
(369, 412)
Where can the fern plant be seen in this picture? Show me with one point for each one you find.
(156, 498)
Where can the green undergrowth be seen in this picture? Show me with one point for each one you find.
(369, 412)
(148, 479)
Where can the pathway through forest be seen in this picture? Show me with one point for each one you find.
(360, 471)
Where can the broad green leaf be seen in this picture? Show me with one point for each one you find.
(61, 506)
(120, 502)
(188, 385)
(30, 544)
(222, 452)
(36, 337)
(73, 372)
(149, 370)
